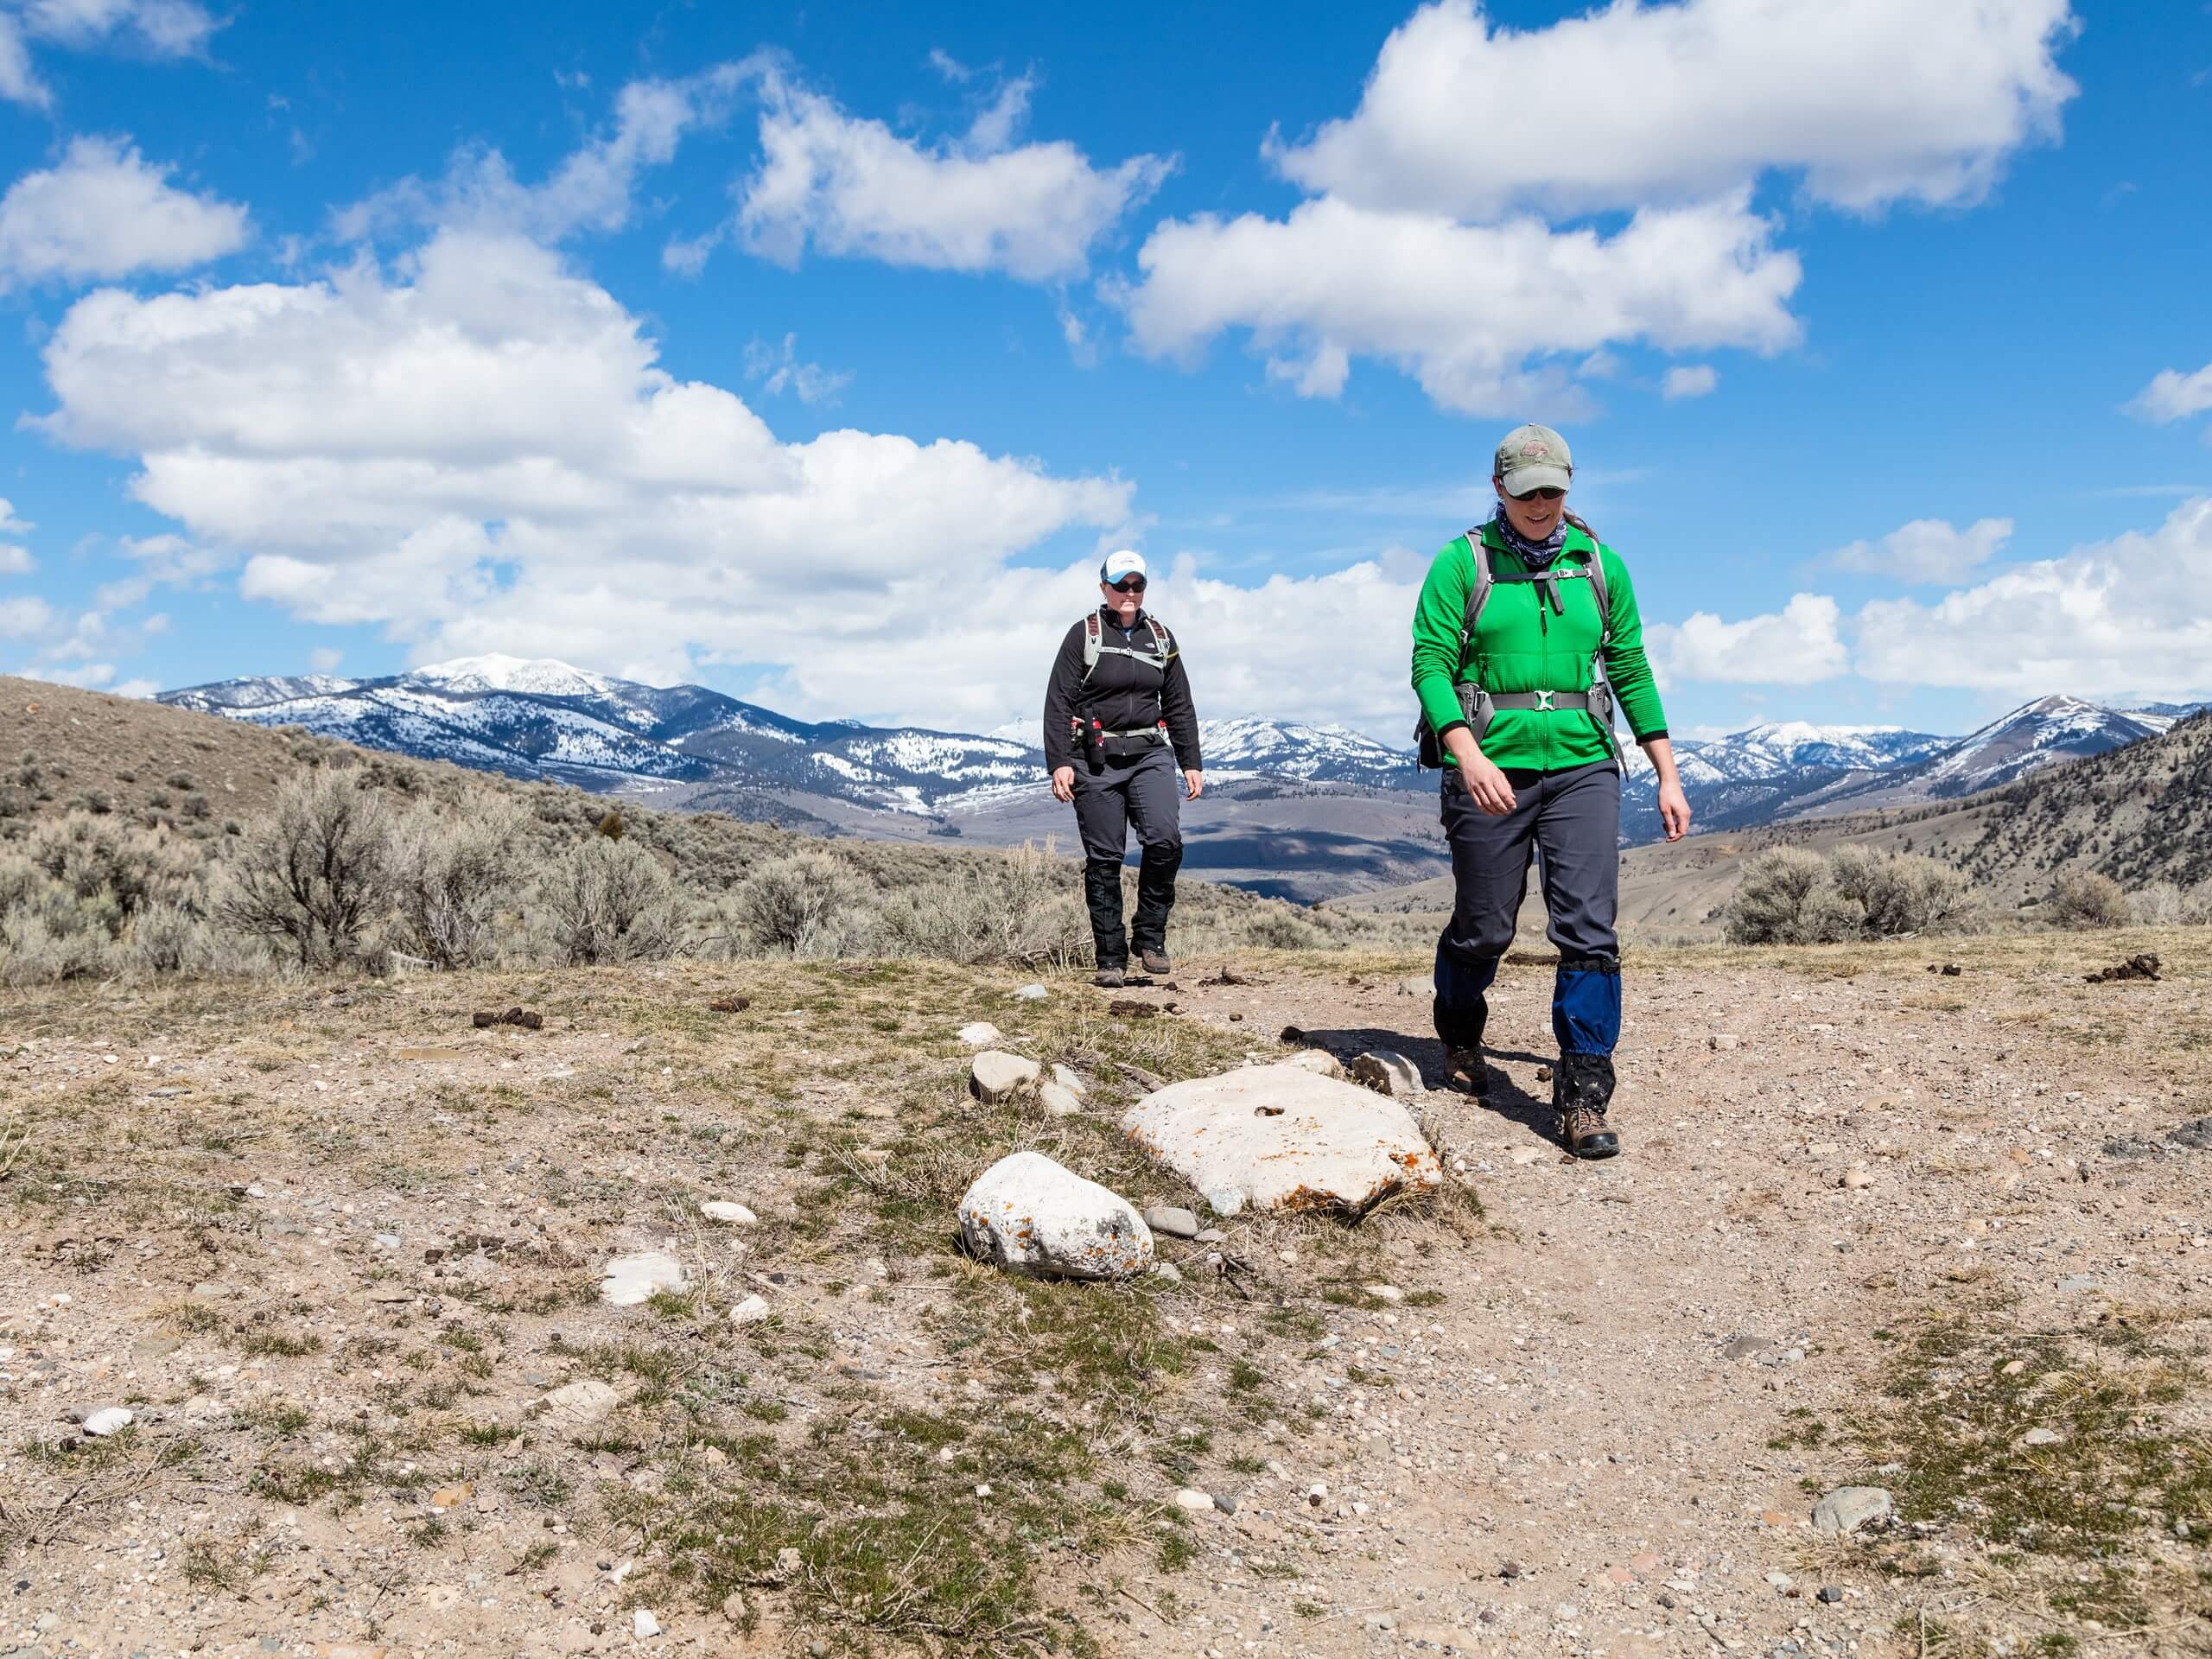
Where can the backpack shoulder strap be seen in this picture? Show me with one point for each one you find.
(1477, 590)
(1163, 640)
(1091, 633)
(1597, 569)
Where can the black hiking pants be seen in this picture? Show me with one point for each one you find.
(1144, 790)
(1571, 822)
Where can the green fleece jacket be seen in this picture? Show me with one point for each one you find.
(1520, 645)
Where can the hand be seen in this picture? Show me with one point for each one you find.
(1194, 784)
(1478, 775)
(1674, 809)
(1064, 783)
(1492, 793)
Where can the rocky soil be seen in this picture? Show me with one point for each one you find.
(342, 1256)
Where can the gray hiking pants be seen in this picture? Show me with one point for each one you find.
(1146, 792)
(1571, 821)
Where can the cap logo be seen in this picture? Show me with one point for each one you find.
(1535, 446)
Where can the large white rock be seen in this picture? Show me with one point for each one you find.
(996, 1076)
(1278, 1137)
(628, 1280)
(1027, 1213)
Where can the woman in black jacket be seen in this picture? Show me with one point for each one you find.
(1118, 726)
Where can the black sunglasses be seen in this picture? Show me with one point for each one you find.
(1541, 495)
(1129, 585)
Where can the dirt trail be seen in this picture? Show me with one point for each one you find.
(1575, 1452)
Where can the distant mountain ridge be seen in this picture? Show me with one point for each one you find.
(688, 744)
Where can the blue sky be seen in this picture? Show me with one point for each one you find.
(816, 356)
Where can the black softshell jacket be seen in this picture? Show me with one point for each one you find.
(1123, 693)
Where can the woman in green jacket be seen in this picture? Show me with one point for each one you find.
(1525, 638)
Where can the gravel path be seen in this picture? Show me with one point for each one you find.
(1572, 1455)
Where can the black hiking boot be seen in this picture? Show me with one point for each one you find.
(1582, 1087)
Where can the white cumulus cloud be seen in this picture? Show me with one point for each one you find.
(1462, 308)
(2173, 395)
(2129, 617)
(103, 212)
(479, 451)
(1634, 103)
(850, 186)
(162, 28)
(1689, 381)
(1927, 550)
(1799, 645)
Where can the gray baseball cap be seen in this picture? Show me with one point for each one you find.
(1534, 458)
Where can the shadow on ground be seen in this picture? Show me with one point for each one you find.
(1504, 1098)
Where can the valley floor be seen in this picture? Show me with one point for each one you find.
(339, 1252)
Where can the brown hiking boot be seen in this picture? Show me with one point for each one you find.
(1586, 1134)
(1156, 962)
(1464, 1070)
(1582, 1087)
(1109, 978)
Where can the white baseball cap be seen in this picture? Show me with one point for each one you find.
(1121, 564)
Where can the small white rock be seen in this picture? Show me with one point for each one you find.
(751, 1311)
(982, 1034)
(994, 1076)
(642, 1624)
(1386, 1071)
(1031, 994)
(727, 1210)
(1070, 1080)
(630, 1279)
(582, 1403)
(108, 1420)
(1196, 1501)
(1058, 1099)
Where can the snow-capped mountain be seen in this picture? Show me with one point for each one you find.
(1315, 754)
(543, 719)
(2048, 729)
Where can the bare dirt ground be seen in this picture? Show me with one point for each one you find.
(339, 1251)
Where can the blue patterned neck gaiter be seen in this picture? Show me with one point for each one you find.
(1536, 554)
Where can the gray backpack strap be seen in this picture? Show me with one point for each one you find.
(1161, 640)
(1601, 688)
(1092, 631)
(1478, 594)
